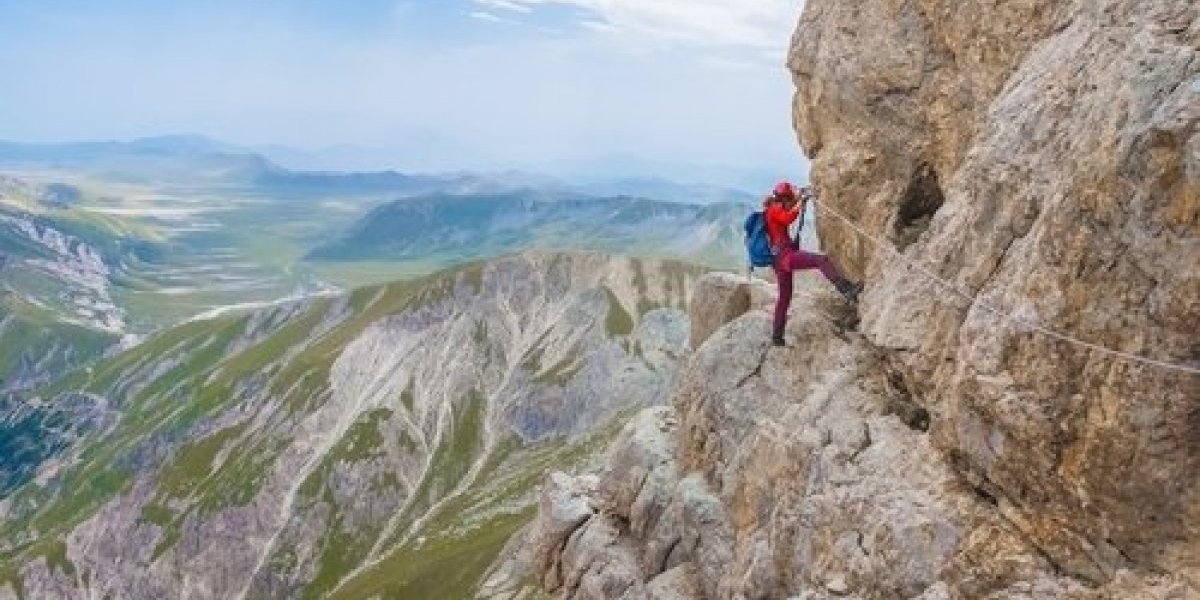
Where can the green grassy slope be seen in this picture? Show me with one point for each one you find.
(463, 227)
(205, 412)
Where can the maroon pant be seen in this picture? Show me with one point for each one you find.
(789, 261)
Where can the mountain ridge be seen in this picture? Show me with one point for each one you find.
(474, 225)
(192, 158)
(364, 430)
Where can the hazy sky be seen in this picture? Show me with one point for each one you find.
(439, 82)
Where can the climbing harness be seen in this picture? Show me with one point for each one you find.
(974, 301)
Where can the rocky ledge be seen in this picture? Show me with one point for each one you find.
(800, 472)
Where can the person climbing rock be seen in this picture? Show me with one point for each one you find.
(781, 209)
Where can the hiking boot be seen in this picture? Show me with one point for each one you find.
(777, 340)
(849, 290)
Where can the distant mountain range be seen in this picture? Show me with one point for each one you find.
(66, 152)
(188, 159)
(453, 228)
(195, 159)
(104, 241)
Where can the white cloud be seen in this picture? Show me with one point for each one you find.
(505, 5)
(600, 26)
(756, 24)
(487, 16)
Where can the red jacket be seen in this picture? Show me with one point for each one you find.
(779, 219)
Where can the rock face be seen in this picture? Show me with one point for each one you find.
(1043, 158)
(1019, 175)
(803, 472)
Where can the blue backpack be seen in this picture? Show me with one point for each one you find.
(758, 246)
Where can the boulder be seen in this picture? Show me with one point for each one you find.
(722, 297)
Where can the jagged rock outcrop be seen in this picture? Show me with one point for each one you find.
(74, 262)
(1044, 159)
(58, 306)
(1034, 159)
(796, 472)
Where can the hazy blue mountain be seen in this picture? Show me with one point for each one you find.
(324, 183)
(453, 228)
(179, 159)
(197, 160)
(67, 152)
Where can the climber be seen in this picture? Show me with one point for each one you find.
(781, 209)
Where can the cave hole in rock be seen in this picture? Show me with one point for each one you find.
(921, 201)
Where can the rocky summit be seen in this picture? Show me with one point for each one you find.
(1014, 412)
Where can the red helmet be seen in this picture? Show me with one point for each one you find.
(784, 189)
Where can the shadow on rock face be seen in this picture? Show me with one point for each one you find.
(921, 201)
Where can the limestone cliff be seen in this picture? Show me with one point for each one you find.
(1011, 174)
(1044, 158)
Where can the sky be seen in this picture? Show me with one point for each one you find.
(414, 85)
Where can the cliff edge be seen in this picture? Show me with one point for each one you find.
(1043, 160)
